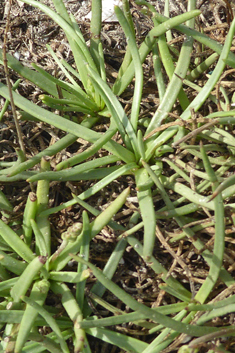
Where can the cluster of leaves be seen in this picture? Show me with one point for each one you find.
(28, 269)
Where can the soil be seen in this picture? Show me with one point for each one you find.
(30, 31)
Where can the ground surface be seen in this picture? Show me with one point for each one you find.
(30, 31)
